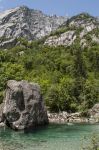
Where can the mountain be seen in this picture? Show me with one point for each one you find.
(82, 27)
(33, 24)
(28, 23)
(65, 62)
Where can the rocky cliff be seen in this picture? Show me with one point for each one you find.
(83, 28)
(25, 22)
(33, 24)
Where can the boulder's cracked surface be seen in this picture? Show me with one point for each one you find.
(23, 106)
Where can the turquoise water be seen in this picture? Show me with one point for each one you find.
(52, 137)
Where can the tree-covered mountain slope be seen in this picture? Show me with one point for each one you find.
(67, 68)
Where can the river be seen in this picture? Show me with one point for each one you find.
(51, 137)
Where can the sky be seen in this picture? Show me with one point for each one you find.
(58, 7)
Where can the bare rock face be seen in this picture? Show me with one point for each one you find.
(23, 106)
(77, 27)
(24, 22)
(65, 39)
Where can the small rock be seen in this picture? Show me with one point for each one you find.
(2, 125)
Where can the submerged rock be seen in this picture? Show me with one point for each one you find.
(23, 106)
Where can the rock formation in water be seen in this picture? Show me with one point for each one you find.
(23, 106)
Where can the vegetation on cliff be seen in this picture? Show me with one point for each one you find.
(69, 76)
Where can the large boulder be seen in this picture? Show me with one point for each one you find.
(23, 106)
(94, 112)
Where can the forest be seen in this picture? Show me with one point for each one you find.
(68, 76)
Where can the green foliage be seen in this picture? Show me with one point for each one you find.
(69, 77)
(79, 64)
(1, 97)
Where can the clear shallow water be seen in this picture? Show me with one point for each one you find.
(53, 137)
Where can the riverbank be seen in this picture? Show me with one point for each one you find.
(64, 117)
(69, 118)
(92, 116)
